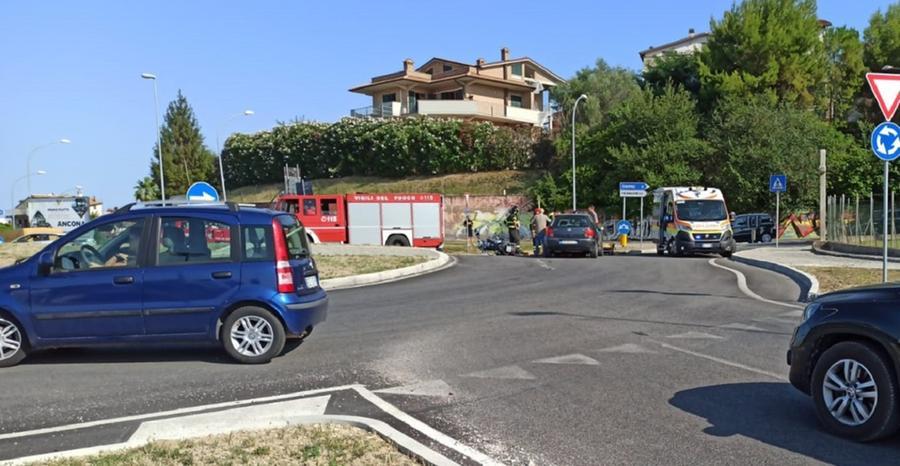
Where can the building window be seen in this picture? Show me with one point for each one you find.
(386, 98)
(515, 101)
(447, 68)
(516, 69)
(413, 102)
(453, 95)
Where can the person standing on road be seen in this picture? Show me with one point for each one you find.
(512, 224)
(469, 226)
(539, 224)
(592, 211)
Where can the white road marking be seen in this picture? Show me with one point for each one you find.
(174, 412)
(722, 361)
(628, 348)
(569, 359)
(792, 314)
(742, 285)
(696, 336)
(259, 417)
(425, 429)
(740, 326)
(544, 264)
(505, 372)
(436, 388)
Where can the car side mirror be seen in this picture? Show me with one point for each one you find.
(45, 263)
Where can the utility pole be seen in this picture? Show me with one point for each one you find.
(823, 199)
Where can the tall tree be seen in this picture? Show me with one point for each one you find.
(146, 189)
(605, 86)
(882, 39)
(770, 47)
(845, 75)
(185, 158)
(679, 69)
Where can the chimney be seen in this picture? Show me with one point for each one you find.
(408, 66)
(691, 32)
(504, 54)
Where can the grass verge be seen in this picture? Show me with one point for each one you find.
(481, 183)
(342, 266)
(836, 278)
(307, 445)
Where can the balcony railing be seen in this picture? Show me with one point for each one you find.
(386, 109)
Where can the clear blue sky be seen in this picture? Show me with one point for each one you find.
(72, 69)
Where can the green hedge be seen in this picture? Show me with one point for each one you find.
(376, 147)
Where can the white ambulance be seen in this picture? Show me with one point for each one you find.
(691, 220)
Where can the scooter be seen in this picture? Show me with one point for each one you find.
(500, 246)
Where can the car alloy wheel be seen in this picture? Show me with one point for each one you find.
(252, 336)
(10, 339)
(850, 392)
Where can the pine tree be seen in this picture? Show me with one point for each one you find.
(186, 159)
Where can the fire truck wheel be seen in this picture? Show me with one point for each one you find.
(397, 240)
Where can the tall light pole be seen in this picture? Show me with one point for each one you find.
(162, 175)
(31, 154)
(12, 191)
(574, 107)
(219, 150)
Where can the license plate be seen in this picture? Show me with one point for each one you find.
(312, 282)
(707, 245)
(568, 242)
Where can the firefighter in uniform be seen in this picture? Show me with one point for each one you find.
(512, 224)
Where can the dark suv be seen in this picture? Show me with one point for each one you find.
(242, 277)
(749, 228)
(845, 354)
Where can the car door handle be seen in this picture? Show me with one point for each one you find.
(221, 275)
(125, 280)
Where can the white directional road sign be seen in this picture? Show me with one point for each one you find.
(886, 89)
(886, 141)
(202, 191)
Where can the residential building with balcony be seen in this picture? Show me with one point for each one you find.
(511, 91)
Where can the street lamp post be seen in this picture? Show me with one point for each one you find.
(574, 107)
(219, 150)
(31, 154)
(162, 175)
(12, 191)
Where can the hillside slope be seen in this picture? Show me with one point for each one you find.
(486, 183)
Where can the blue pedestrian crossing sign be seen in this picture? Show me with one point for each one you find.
(778, 183)
(623, 227)
(202, 191)
(886, 141)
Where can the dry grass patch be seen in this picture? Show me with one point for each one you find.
(480, 183)
(342, 266)
(836, 278)
(10, 253)
(307, 445)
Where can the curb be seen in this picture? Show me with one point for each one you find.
(809, 284)
(443, 261)
(824, 252)
(406, 444)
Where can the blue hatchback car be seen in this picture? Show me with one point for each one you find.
(152, 273)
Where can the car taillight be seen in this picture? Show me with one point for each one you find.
(549, 232)
(589, 232)
(283, 273)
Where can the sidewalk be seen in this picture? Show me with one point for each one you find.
(802, 256)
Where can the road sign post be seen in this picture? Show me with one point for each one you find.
(777, 185)
(885, 140)
(641, 226)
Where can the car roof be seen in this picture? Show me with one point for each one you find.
(244, 214)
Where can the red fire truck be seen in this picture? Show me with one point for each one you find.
(383, 219)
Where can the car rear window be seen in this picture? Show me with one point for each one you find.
(571, 222)
(294, 237)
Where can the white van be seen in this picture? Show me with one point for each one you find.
(692, 219)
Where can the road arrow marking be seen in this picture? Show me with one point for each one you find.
(628, 348)
(427, 388)
(569, 359)
(505, 372)
(696, 336)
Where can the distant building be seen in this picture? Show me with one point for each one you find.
(693, 43)
(63, 212)
(511, 91)
(686, 45)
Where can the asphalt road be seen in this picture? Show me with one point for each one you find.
(619, 360)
